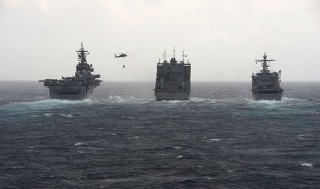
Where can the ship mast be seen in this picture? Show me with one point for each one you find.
(174, 52)
(182, 56)
(82, 54)
(264, 63)
(83, 69)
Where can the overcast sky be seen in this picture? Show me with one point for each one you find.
(222, 38)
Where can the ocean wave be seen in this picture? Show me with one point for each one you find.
(46, 104)
(66, 115)
(53, 103)
(265, 102)
(306, 164)
(215, 139)
(288, 99)
(48, 114)
(80, 144)
(122, 100)
(198, 99)
(20, 108)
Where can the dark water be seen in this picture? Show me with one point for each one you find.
(122, 138)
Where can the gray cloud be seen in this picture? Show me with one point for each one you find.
(222, 37)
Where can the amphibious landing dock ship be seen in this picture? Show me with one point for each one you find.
(173, 79)
(76, 87)
(266, 85)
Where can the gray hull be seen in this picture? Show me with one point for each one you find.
(267, 95)
(68, 92)
(77, 87)
(266, 84)
(172, 95)
(173, 80)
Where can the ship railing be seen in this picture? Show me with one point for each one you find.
(66, 82)
(172, 91)
(96, 75)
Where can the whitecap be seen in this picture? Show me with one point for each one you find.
(306, 136)
(48, 104)
(118, 99)
(285, 99)
(214, 139)
(266, 102)
(55, 102)
(80, 144)
(306, 164)
(197, 99)
(177, 147)
(66, 115)
(115, 99)
(179, 157)
(172, 101)
(301, 136)
(48, 114)
(129, 118)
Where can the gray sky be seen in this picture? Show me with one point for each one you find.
(222, 38)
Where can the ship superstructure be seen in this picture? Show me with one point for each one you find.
(76, 87)
(266, 84)
(173, 79)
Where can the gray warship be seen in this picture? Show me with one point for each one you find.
(173, 79)
(266, 85)
(77, 87)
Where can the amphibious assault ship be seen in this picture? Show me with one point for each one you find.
(173, 79)
(266, 85)
(76, 87)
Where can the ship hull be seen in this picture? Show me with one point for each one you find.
(267, 95)
(172, 95)
(68, 93)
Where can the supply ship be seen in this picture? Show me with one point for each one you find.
(173, 79)
(266, 85)
(77, 87)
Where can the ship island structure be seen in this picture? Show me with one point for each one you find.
(173, 79)
(77, 87)
(266, 84)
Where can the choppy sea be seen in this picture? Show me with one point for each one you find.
(122, 138)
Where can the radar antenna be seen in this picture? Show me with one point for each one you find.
(82, 54)
(83, 69)
(164, 56)
(264, 63)
(183, 56)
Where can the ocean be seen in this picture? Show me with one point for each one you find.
(122, 138)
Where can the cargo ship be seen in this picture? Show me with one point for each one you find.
(173, 79)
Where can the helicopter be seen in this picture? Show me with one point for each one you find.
(120, 55)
